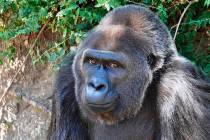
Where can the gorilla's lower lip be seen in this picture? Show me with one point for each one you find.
(100, 108)
(101, 105)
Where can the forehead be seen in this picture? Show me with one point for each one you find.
(113, 38)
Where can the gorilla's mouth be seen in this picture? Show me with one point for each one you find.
(101, 108)
(101, 105)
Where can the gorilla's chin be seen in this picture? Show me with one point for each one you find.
(101, 108)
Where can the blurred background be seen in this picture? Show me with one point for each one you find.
(36, 34)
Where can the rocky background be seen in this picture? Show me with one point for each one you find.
(25, 112)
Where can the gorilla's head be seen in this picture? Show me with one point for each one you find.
(116, 63)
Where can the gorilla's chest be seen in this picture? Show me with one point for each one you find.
(130, 130)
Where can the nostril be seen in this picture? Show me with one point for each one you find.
(100, 87)
(97, 87)
(91, 85)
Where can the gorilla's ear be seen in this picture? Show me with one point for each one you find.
(155, 62)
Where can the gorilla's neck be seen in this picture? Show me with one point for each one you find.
(143, 126)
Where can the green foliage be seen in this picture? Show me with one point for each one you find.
(207, 3)
(72, 19)
(9, 53)
(162, 11)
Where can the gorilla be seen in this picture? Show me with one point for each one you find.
(126, 81)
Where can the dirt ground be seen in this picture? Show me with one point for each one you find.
(25, 112)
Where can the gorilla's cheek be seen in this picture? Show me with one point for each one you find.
(131, 96)
(79, 86)
(81, 101)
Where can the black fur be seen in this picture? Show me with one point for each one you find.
(162, 97)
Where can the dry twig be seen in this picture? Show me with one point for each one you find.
(33, 45)
(180, 19)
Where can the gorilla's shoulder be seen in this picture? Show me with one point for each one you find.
(183, 74)
(64, 76)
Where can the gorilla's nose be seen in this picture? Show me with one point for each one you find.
(97, 95)
(96, 90)
(99, 85)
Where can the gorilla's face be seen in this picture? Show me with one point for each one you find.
(112, 74)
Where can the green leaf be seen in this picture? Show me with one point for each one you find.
(162, 12)
(43, 12)
(207, 3)
(114, 3)
(24, 12)
(100, 3)
(46, 54)
(72, 6)
(61, 52)
(53, 57)
(65, 33)
(1, 62)
(207, 68)
(33, 24)
(148, 2)
(105, 4)
(82, 1)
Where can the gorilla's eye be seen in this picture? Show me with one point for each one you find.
(114, 65)
(92, 61)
